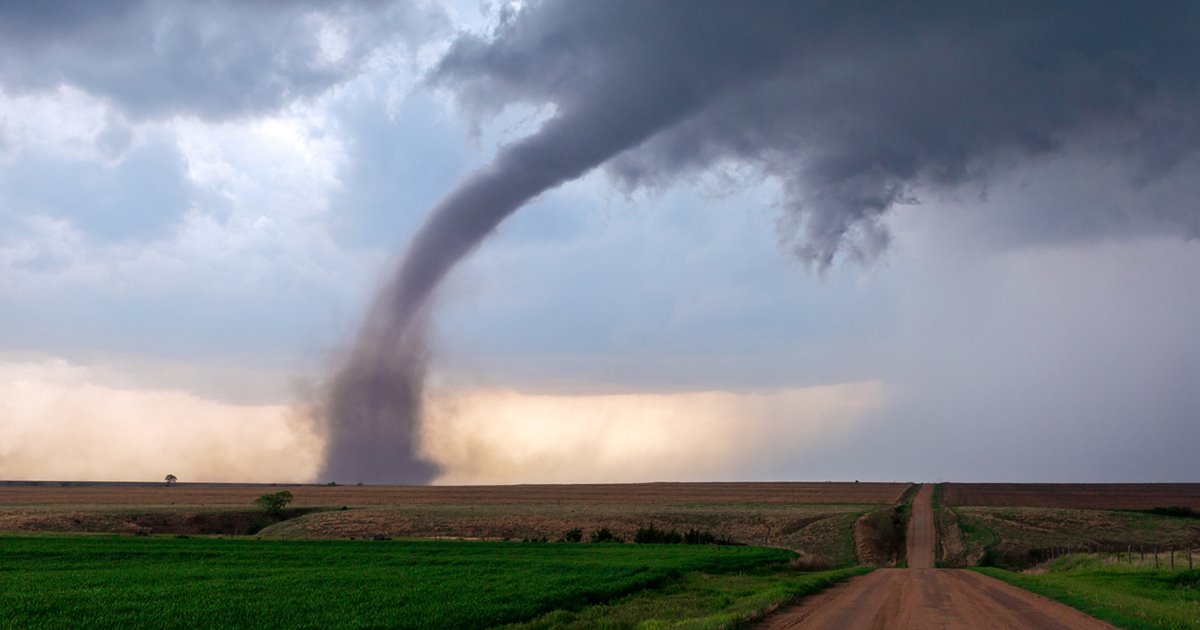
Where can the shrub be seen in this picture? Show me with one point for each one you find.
(650, 535)
(604, 535)
(697, 537)
(1176, 510)
(573, 535)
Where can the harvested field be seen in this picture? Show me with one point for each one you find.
(813, 517)
(1110, 496)
(23, 493)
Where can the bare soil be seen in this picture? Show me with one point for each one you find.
(1096, 496)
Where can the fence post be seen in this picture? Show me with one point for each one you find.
(1172, 557)
(1155, 556)
(1129, 555)
(1143, 549)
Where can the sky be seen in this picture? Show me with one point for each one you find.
(796, 242)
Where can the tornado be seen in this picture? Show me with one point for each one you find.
(373, 407)
(852, 108)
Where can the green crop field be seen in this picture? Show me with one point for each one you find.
(1134, 596)
(71, 581)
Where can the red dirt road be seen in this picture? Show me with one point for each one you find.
(921, 540)
(924, 597)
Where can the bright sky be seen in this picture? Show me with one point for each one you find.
(198, 200)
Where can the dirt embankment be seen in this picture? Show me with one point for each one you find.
(879, 537)
(191, 523)
(951, 548)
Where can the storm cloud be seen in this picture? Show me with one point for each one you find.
(213, 59)
(857, 109)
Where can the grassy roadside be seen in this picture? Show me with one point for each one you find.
(1125, 596)
(699, 601)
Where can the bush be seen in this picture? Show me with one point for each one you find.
(654, 536)
(604, 535)
(650, 535)
(1176, 510)
(573, 535)
(274, 502)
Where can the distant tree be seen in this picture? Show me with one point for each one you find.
(171, 479)
(274, 502)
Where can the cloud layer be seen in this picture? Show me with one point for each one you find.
(215, 59)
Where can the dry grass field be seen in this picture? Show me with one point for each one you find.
(1097, 496)
(817, 518)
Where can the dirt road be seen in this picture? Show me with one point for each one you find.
(924, 597)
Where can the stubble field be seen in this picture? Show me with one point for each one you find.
(1094, 496)
(815, 518)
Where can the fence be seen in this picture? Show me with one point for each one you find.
(1169, 557)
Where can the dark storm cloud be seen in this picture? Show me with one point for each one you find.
(856, 107)
(213, 59)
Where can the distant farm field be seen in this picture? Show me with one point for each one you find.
(23, 493)
(817, 518)
(1096, 496)
(1017, 526)
(114, 581)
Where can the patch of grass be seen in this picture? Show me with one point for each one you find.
(1128, 597)
(153, 582)
(698, 601)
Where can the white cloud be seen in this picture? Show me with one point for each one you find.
(505, 436)
(57, 422)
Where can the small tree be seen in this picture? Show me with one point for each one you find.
(274, 502)
(171, 479)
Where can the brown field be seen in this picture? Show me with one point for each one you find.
(817, 518)
(1100, 496)
(25, 494)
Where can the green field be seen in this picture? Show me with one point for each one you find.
(1128, 596)
(69, 581)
